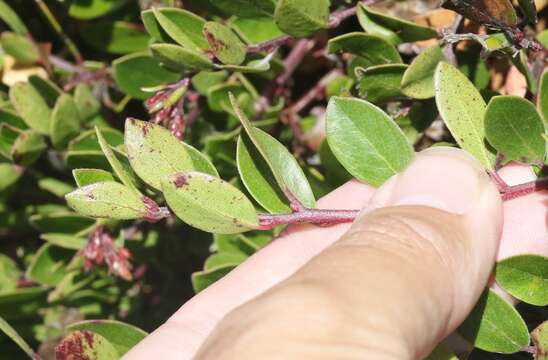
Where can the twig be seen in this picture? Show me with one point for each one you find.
(310, 216)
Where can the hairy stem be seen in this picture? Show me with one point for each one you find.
(308, 216)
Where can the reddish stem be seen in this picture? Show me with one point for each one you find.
(516, 191)
(308, 216)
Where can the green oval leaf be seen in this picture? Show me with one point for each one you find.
(86, 345)
(9, 274)
(300, 18)
(514, 128)
(285, 169)
(91, 9)
(257, 177)
(370, 47)
(121, 335)
(155, 153)
(177, 58)
(246, 8)
(140, 70)
(407, 31)
(116, 37)
(9, 174)
(543, 95)
(85, 177)
(21, 47)
(540, 339)
(224, 43)
(495, 326)
(88, 106)
(203, 279)
(65, 121)
(525, 277)
(209, 203)
(27, 148)
(418, 79)
(49, 264)
(31, 107)
(180, 25)
(107, 200)
(366, 141)
(124, 173)
(256, 29)
(380, 82)
(64, 241)
(463, 109)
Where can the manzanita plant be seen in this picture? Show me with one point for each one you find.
(132, 131)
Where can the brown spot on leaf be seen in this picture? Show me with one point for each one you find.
(146, 127)
(74, 346)
(180, 180)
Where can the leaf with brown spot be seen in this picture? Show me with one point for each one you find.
(85, 345)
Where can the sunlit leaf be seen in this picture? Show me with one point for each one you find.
(87, 345)
(107, 200)
(224, 43)
(462, 109)
(418, 79)
(300, 18)
(525, 277)
(209, 203)
(31, 107)
(65, 121)
(494, 325)
(370, 47)
(155, 153)
(366, 141)
(514, 128)
(85, 177)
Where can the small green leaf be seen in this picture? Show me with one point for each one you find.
(224, 259)
(209, 203)
(370, 47)
(418, 79)
(10, 117)
(381, 82)
(300, 18)
(48, 266)
(495, 326)
(140, 70)
(374, 28)
(251, 67)
(543, 96)
(27, 148)
(64, 241)
(31, 107)
(177, 58)
(88, 106)
(204, 80)
(90, 345)
(285, 169)
(224, 43)
(155, 153)
(107, 200)
(177, 27)
(49, 91)
(366, 141)
(65, 121)
(540, 339)
(56, 187)
(514, 128)
(184, 21)
(258, 179)
(13, 335)
(256, 30)
(91, 9)
(463, 109)
(407, 31)
(121, 335)
(11, 18)
(525, 277)
(246, 8)
(9, 274)
(9, 174)
(203, 279)
(116, 37)
(85, 177)
(124, 173)
(20, 47)
(63, 222)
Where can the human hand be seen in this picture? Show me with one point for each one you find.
(391, 286)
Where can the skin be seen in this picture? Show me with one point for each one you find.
(391, 285)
